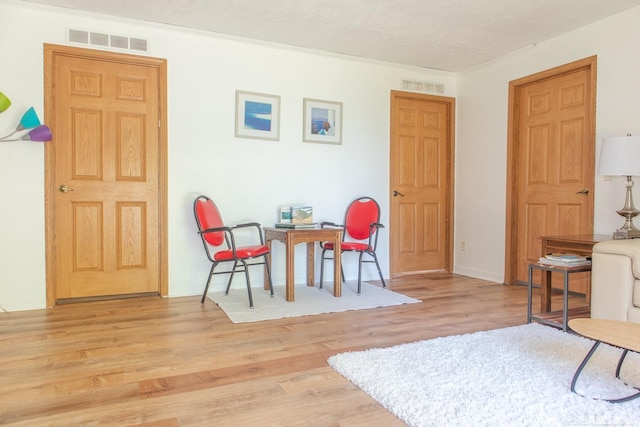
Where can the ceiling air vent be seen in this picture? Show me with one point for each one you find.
(417, 86)
(108, 41)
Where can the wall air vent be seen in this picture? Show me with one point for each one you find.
(417, 86)
(108, 41)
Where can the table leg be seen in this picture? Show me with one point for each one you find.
(545, 292)
(584, 363)
(266, 278)
(529, 293)
(337, 277)
(290, 285)
(311, 258)
(565, 301)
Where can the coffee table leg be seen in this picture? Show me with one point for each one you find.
(624, 354)
(581, 367)
(584, 363)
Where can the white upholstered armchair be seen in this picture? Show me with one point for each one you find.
(615, 280)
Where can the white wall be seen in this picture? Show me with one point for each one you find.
(248, 179)
(481, 148)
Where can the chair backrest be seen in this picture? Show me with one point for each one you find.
(208, 216)
(361, 213)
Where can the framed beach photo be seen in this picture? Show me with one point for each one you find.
(257, 116)
(322, 121)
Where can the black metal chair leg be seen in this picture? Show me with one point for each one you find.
(360, 273)
(246, 273)
(233, 271)
(375, 258)
(206, 287)
(266, 265)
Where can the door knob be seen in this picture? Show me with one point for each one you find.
(397, 193)
(64, 189)
(584, 191)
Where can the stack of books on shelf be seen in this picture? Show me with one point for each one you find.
(296, 217)
(564, 260)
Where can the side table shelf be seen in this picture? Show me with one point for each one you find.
(561, 318)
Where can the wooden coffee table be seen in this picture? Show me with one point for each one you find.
(625, 335)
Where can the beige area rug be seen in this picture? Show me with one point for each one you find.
(308, 301)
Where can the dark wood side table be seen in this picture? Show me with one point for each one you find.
(579, 244)
(291, 237)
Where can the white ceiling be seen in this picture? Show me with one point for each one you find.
(451, 35)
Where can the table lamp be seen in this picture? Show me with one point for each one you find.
(620, 156)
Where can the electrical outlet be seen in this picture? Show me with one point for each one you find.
(463, 246)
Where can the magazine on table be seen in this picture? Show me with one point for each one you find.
(565, 260)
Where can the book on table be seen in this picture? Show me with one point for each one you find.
(285, 215)
(564, 260)
(296, 226)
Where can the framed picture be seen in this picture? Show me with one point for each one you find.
(257, 116)
(322, 121)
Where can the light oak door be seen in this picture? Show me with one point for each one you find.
(421, 181)
(105, 174)
(555, 163)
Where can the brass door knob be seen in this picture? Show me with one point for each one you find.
(64, 189)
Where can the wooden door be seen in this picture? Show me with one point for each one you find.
(421, 229)
(106, 175)
(552, 162)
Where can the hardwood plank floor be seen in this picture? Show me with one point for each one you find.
(172, 362)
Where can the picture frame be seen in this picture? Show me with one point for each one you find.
(257, 116)
(322, 121)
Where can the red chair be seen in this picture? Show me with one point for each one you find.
(359, 234)
(215, 234)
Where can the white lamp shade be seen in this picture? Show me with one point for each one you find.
(620, 155)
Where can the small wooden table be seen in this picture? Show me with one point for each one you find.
(625, 335)
(291, 237)
(579, 244)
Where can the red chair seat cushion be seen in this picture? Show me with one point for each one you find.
(245, 252)
(348, 246)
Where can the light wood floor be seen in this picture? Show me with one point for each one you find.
(172, 362)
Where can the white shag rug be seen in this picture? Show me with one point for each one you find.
(517, 376)
(308, 300)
